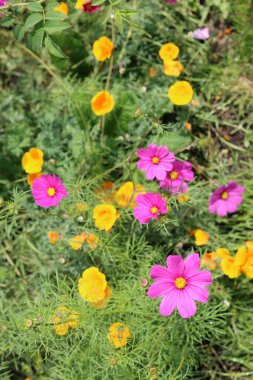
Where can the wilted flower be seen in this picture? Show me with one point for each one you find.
(201, 33)
(226, 199)
(149, 206)
(177, 176)
(180, 284)
(210, 260)
(118, 334)
(105, 216)
(155, 161)
(180, 93)
(168, 51)
(32, 161)
(53, 237)
(102, 48)
(102, 103)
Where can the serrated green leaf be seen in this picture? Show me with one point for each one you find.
(33, 19)
(54, 49)
(35, 7)
(19, 32)
(37, 39)
(119, 23)
(54, 15)
(98, 2)
(55, 26)
(52, 5)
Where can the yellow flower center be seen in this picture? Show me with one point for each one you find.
(173, 175)
(51, 191)
(154, 210)
(155, 160)
(224, 195)
(180, 283)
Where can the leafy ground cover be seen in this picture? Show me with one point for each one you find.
(53, 325)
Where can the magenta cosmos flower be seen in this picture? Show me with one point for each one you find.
(180, 285)
(201, 34)
(226, 199)
(176, 178)
(155, 161)
(48, 190)
(89, 8)
(149, 206)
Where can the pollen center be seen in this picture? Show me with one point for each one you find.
(224, 195)
(51, 191)
(180, 283)
(173, 175)
(154, 210)
(155, 160)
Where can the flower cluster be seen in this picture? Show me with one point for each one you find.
(168, 53)
(77, 241)
(118, 334)
(32, 162)
(64, 319)
(242, 262)
(160, 164)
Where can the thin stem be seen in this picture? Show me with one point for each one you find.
(181, 361)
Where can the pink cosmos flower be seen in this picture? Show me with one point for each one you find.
(176, 178)
(180, 285)
(226, 199)
(89, 8)
(201, 34)
(155, 161)
(48, 190)
(149, 206)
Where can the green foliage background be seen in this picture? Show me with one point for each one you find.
(45, 102)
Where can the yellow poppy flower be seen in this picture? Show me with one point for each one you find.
(201, 237)
(180, 93)
(172, 68)
(102, 103)
(168, 51)
(102, 48)
(127, 194)
(92, 285)
(32, 161)
(77, 241)
(32, 177)
(63, 8)
(64, 319)
(105, 216)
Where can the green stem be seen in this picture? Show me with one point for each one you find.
(181, 361)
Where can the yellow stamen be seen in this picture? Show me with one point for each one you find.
(173, 175)
(51, 191)
(154, 210)
(155, 160)
(224, 195)
(180, 282)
